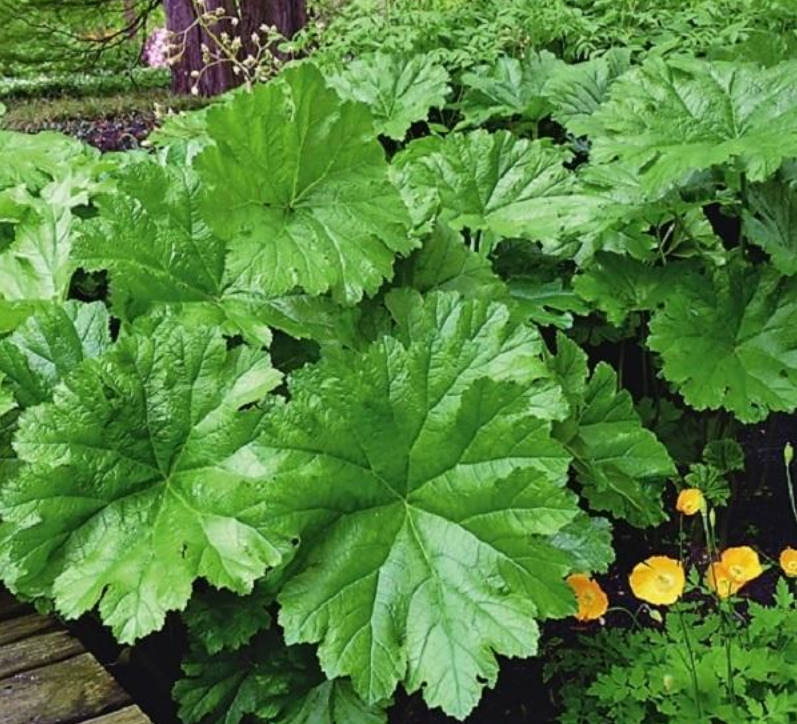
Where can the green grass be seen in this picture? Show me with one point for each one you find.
(30, 113)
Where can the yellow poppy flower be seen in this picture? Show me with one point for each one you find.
(788, 561)
(741, 563)
(659, 580)
(690, 501)
(592, 601)
(719, 580)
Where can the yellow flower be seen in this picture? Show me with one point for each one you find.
(719, 579)
(689, 501)
(788, 561)
(741, 563)
(592, 601)
(659, 580)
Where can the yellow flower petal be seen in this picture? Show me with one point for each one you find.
(592, 600)
(741, 563)
(719, 580)
(658, 580)
(788, 561)
(690, 501)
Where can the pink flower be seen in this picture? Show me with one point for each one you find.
(156, 49)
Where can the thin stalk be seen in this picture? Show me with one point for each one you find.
(692, 666)
(788, 455)
(687, 641)
(743, 195)
(724, 622)
(624, 610)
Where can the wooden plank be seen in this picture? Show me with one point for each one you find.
(37, 651)
(128, 715)
(24, 627)
(69, 691)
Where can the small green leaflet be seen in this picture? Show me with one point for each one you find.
(49, 344)
(726, 455)
(771, 222)
(445, 263)
(269, 682)
(618, 285)
(125, 495)
(223, 620)
(673, 117)
(545, 299)
(728, 339)
(398, 90)
(423, 482)
(620, 465)
(298, 189)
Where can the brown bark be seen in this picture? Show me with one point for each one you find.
(288, 16)
(180, 16)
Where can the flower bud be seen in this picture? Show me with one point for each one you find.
(788, 453)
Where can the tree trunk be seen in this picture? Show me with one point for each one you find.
(288, 16)
(217, 78)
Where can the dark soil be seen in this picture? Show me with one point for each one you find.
(114, 133)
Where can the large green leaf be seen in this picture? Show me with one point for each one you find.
(728, 340)
(424, 485)
(36, 160)
(621, 466)
(398, 90)
(672, 117)
(152, 238)
(35, 265)
(497, 182)
(298, 190)
(267, 682)
(127, 495)
(771, 222)
(49, 345)
(510, 87)
(7, 403)
(576, 91)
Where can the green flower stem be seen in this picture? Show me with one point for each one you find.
(788, 456)
(691, 654)
(679, 613)
(724, 622)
